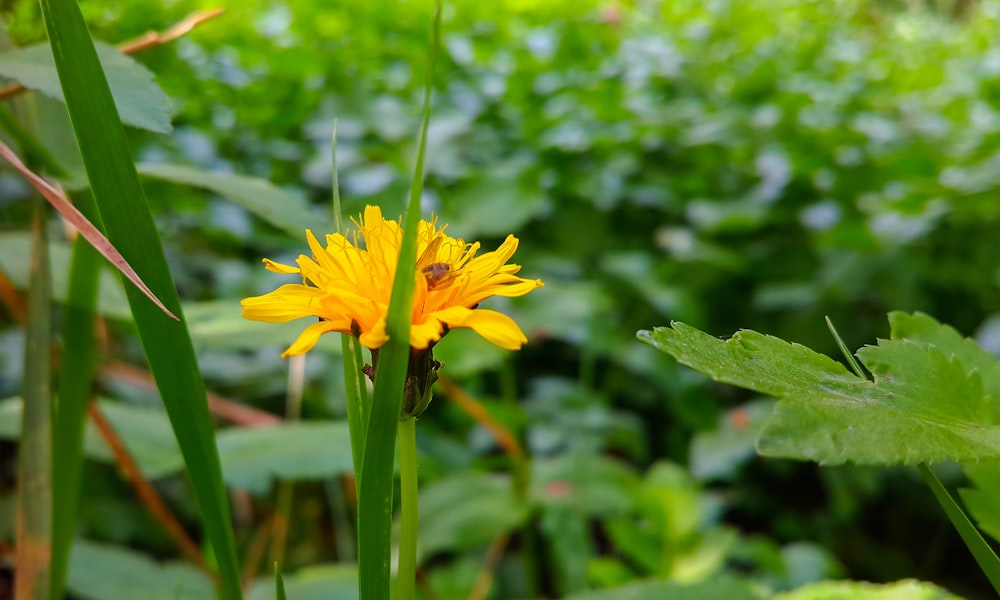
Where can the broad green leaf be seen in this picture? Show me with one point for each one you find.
(145, 432)
(14, 245)
(719, 453)
(907, 589)
(720, 588)
(129, 226)
(333, 582)
(982, 499)
(252, 458)
(924, 328)
(281, 209)
(466, 511)
(924, 405)
(218, 324)
(595, 486)
(139, 99)
(104, 572)
(494, 203)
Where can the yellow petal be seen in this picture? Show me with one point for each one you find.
(310, 335)
(288, 302)
(376, 336)
(276, 267)
(497, 328)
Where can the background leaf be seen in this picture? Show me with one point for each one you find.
(278, 207)
(139, 99)
(922, 407)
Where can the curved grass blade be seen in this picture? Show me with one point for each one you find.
(981, 551)
(80, 222)
(34, 475)
(375, 498)
(129, 225)
(76, 376)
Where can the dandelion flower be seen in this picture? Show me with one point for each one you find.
(348, 283)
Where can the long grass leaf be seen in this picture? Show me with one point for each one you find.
(981, 551)
(375, 504)
(76, 376)
(34, 477)
(123, 208)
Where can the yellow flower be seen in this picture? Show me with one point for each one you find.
(347, 285)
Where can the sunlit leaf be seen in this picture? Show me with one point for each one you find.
(859, 590)
(281, 209)
(724, 588)
(139, 99)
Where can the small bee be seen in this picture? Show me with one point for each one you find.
(436, 273)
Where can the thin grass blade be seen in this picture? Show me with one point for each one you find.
(76, 376)
(34, 477)
(375, 504)
(981, 551)
(122, 205)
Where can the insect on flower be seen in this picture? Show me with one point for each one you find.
(348, 283)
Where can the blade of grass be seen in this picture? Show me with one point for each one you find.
(375, 498)
(123, 208)
(87, 229)
(981, 551)
(406, 583)
(77, 366)
(843, 349)
(33, 474)
(279, 584)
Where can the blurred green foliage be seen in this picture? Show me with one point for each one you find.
(726, 163)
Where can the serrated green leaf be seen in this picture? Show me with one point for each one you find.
(982, 500)
(282, 209)
(252, 458)
(922, 407)
(139, 99)
(145, 432)
(924, 328)
(104, 572)
(907, 589)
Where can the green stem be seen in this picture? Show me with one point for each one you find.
(408, 510)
